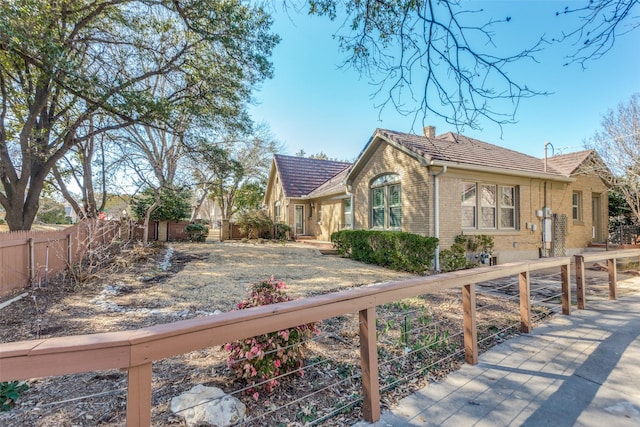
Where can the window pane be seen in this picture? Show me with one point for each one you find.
(377, 194)
(377, 217)
(508, 218)
(488, 195)
(346, 209)
(488, 219)
(468, 194)
(385, 179)
(508, 198)
(394, 195)
(347, 220)
(395, 217)
(469, 216)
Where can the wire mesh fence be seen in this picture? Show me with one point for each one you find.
(419, 339)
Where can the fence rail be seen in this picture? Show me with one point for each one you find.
(136, 350)
(28, 257)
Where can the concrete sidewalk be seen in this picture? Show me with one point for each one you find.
(582, 370)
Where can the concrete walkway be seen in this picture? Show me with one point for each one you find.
(578, 370)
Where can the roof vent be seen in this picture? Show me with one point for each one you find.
(429, 131)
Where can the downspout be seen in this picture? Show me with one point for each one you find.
(352, 213)
(436, 214)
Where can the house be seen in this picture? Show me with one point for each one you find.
(308, 195)
(448, 185)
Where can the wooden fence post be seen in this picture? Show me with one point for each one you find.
(580, 288)
(139, 396)
(369, 365)
(613, 277)
(69, 250)
(525, 302)
(32, 261)
(470, 327)
(565, 274)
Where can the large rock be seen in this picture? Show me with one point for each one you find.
(208, 405)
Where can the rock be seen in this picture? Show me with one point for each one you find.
(209, 406)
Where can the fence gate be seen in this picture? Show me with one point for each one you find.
(559, 235)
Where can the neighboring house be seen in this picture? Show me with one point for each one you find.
(449, 185)
(309, 195)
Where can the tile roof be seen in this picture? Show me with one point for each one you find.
(567, 164)
(301, 175)
(455, 148)
(335, 185)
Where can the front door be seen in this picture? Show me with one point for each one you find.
(299, 220)
(596, 221)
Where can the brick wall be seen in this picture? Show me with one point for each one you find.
(416, 186)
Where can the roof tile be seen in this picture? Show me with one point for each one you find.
(301, 175)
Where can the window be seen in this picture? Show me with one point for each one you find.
(468, 205)
(347, 214)
(508, 207)
(277, 211)
(576, 206)
(386, 202)
(488, 206)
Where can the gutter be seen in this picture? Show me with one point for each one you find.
(436, 214)
(502, 171)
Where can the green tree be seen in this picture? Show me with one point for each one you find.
(63, 62)
(175, 205)
(52, 212)
(250, 196)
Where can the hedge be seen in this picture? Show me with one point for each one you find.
(396, 250)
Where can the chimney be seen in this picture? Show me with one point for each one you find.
(429, 131)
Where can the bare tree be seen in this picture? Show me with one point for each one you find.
(439, 57)
(224, 167)
(601, 23)
(153, 154)
(618, 143)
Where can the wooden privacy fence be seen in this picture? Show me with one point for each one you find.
(32, 257)
(136, 350)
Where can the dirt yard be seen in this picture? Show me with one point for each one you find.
(180, 281)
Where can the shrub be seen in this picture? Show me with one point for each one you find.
(282, 231)
(197, 232)
(466, 252)
(9, 393)
(254, 224)
(392, 249)
(261, 359)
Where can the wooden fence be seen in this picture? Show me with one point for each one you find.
(136, 350)
(33, 257)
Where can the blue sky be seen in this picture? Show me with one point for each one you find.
(313, 105)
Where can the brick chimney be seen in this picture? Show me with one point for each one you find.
(429, 131)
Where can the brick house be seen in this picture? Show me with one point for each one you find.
(445, 186)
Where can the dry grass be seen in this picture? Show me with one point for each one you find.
(202, 278)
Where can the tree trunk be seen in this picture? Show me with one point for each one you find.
(194, 213)
(147, 217)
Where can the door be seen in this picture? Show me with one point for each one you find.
(299, 220)
(596, 221)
